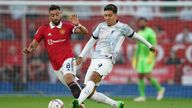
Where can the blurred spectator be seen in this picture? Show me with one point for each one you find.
(77, 37)
(52, 75)
(130, 10)
(83, 12)
(17, 11)
(169, 9)
(175, 61)
(186, 14)
(184, 37)
(144, 11)
(38, 66)
(6, 33)
(162, 35)
(11, 70)
(32, 30)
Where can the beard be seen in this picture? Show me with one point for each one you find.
(142, 27)
(56, 22)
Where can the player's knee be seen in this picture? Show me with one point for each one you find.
(96, 77)
(69, 78)
(75, 89)
(149, 79)
(141, 76)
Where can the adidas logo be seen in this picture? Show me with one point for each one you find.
(49, 34)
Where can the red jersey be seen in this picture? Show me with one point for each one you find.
(57, 42)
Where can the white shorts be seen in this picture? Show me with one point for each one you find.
(67, 67)
(102, 66)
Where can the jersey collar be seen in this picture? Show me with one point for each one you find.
(52, 26)
(117, 22)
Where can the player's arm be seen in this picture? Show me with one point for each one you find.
(142, 40)
(32, 46)
(152, 38)
(89, 45)
(80, 29)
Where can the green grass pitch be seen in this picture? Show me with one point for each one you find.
(42, 102)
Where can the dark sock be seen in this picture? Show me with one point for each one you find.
(75, 89)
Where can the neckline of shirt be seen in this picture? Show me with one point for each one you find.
(58, 26)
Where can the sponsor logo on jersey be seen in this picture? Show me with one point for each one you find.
(51, 41)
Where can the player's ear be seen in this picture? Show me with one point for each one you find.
(116, 16)
(49, 18)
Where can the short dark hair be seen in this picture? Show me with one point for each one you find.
(111, 7)
(54, 7)
(142, 18)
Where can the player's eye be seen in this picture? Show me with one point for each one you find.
(51, 15)
(110, 15)
(57, 14)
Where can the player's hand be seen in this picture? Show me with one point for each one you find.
(27, 50)
(79, 60)
(74, 19)
(153, 49)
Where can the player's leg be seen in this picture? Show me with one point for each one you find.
(153, 81)
(141, 88)
(67, 76)
(98, 69)
(86, 92)
(157, 85)
(93, 78)
(103, 69)
(83, 95)
(69, 81)
(141, 82)
(102, 98)
(89, 88)
(145, 67)
(72, 84)
(98, 97)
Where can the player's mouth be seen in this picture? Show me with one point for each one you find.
(108, 22)
(56, 22)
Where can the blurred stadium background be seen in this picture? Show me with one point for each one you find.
(22, 75)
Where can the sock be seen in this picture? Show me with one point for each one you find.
(155, 84)
(86, 91)
(101, 98)
(141, 86)
(75, 89)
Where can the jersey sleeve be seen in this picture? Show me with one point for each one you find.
(96, 32)
(128, 31)
(39, 34)
(72, 28)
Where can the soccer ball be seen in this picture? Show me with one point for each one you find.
(56, 103)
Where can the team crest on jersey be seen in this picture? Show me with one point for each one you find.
(62, 32)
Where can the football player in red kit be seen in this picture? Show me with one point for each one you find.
(56, 36)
